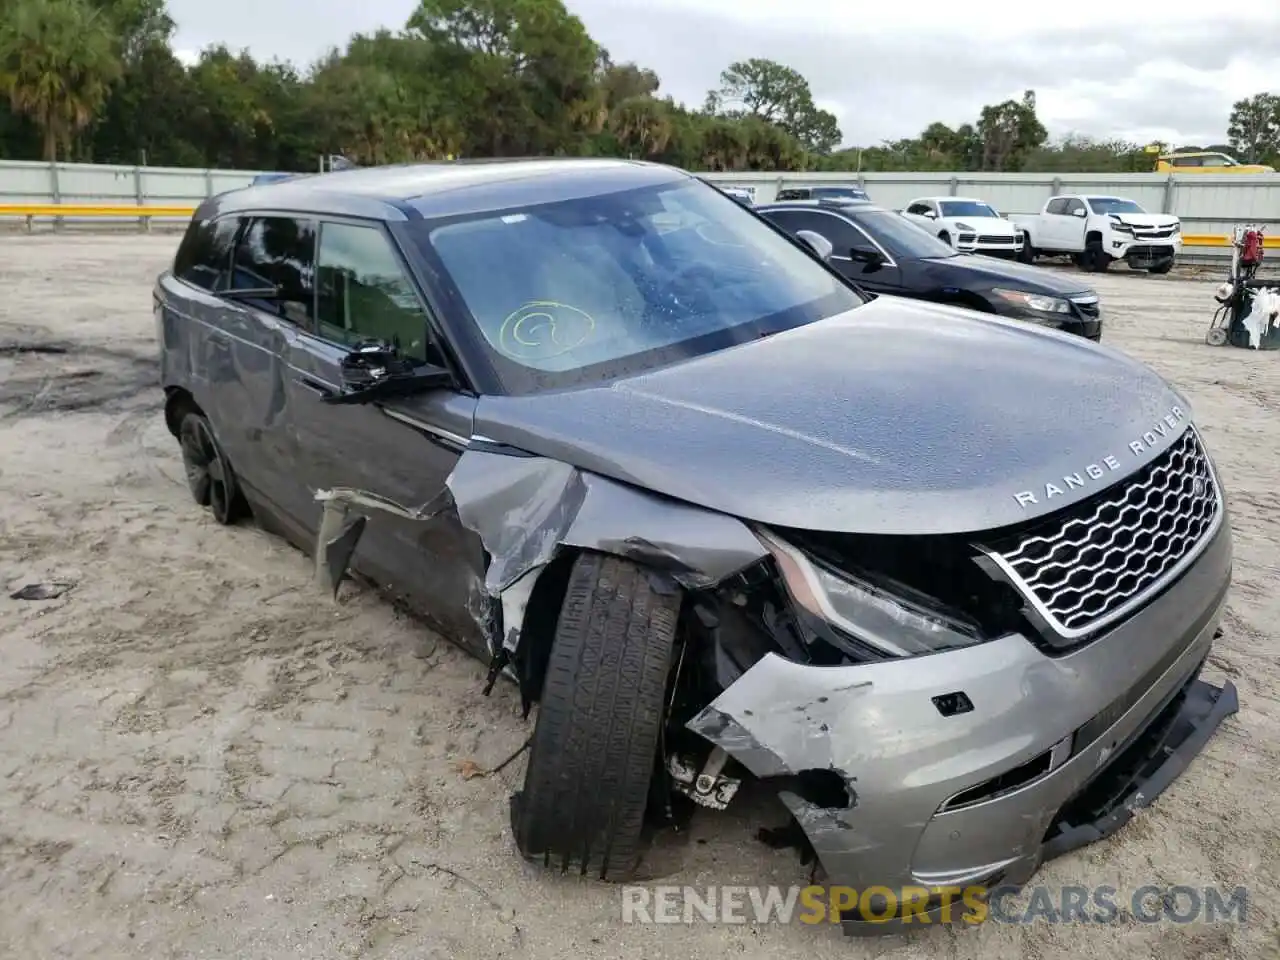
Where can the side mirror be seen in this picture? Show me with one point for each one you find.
(816, 242)
(1078, 212)
(375, 370)
(931, 215)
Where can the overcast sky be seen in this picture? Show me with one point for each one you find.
(1142, 71)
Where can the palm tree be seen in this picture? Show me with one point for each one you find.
(58, 59)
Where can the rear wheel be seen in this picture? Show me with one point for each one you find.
(596, 741)
(210, 478)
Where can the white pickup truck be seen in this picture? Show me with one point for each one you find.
(1095, 230)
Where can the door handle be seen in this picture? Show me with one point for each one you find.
(314, 386)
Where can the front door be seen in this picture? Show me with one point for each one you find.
(848, 243)
(402, 451)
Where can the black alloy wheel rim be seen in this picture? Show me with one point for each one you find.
(206, 468)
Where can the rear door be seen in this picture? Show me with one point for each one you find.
(246, 341)
(401, 451)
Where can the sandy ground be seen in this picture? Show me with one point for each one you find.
(199, 758)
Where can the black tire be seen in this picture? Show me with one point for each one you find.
(944, 237)
(596, 741)
(1027, 254)
(1095, 259)
(210, 478)
(1161, 268)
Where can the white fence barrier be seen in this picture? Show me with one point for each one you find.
(1210, 205)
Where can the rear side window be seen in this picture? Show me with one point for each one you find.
(204, 257)
(1058, 206)
(364, 293)
(279, 252)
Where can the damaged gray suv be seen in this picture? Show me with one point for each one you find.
(942, 581)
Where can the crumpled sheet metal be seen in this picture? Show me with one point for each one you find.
(524, 509)
(340, 533)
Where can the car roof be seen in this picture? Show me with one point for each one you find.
(824, 203)
(427, 190)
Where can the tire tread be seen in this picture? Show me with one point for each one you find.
(597, 733)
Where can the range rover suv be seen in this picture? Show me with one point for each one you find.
(715, 513)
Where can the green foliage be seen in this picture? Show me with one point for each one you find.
(58, 59)
(1254, 129)
(98, 80)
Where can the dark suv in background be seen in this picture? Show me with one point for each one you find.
(884, 252)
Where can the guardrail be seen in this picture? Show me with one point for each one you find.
(1209, 240)
(60, 212)
(145, 213)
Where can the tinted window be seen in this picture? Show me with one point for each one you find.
(1057, 206)
(967, 208)
(1186, 161)
(901, 238)
(920, 208)
(843, 236)
(204, 258)
(793, 194)
(364, 293)
(279, 252)
(1112, 205)
(586, 289)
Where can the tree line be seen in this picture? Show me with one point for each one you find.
(98, 81)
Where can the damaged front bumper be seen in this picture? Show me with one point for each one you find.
(1039, 756)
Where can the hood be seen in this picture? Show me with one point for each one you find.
(1147, 219)
(898, 417)
(973, 269)
(994, 225)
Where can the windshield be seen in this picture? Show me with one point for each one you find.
(1114, 205)
(901, 238)
(966, 208)
(584, 290)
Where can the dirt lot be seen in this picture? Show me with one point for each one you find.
(199, 758)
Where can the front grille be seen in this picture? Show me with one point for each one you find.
(1087, 307)
(1161, 234)
(1002, 241)
(1094, 562)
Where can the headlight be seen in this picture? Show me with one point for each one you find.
(1035, 302)
(963, 226)
(1119, 227)
(892, 625)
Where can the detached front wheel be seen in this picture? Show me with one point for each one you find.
(596, 741)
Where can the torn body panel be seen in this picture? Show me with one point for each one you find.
(525, 509)
(945, 797)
